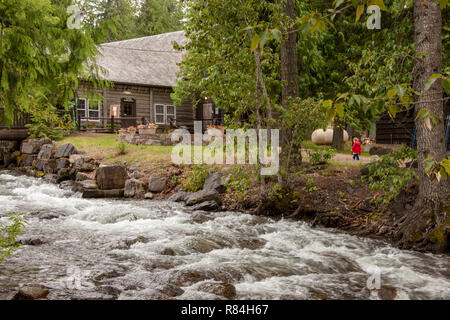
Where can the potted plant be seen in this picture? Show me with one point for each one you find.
(217, 127)
(132, 129)
(148, 129)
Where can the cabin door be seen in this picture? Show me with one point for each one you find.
(128, 113)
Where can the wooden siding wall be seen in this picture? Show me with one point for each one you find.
(402, 129)
(396, 132)
(146, 98)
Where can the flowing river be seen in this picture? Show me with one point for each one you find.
(103, 249)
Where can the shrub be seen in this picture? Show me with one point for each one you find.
(121, 148)
(387, 175)
(321, 156)
(9, 233)
(195, 179)
(239, 182)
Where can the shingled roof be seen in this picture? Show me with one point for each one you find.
(150, 61)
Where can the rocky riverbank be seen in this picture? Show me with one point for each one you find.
(326, 196)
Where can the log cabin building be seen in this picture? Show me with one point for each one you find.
(143, 74)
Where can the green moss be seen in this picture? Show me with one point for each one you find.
(438, 235)
(415, 236)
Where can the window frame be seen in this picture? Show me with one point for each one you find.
(164, 114)
(87, 109)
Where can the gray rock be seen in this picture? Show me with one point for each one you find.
(74, 158)
(156, 184)
(365, 170)
(214, 182)
(65, 174)
(28, 159)
(111, 177)
(33, 146)
(62, 163)
(379, 151)
(46, 151)
(50, 167)
(81, 176)
(98, 194)
(203, 196)
(148, 195)
(134, 188)
(135, 175)
(65, 151)
(179, 197)
(221, 289)
(32, 292)
(40, 164)
(206, 206)
(168, 252)
(133, 168)
(31, 242)
(71, 185)
(50, 177)
(89, 184)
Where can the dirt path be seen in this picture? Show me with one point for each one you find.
(349, 158)
(345, 158)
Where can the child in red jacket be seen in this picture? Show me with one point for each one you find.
(356, 149)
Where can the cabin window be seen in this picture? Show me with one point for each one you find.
(164, 114)
(170, 114)
(81, 107)
(159, 110)
(94, 109)
(89, 109)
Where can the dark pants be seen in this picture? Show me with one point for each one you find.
(356, 156)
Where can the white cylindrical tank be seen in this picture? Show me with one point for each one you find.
(325, 137)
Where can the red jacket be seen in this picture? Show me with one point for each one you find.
(357, 148)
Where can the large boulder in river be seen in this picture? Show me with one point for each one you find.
(111, 177)
(156, 184)
(32, 292)
(203, 196)
(99, 194)
(214, 182)
(134, 188)
(179, 196)
(220, 289)
(211, 205)
(65, 151)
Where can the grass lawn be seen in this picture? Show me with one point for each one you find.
(104, 147)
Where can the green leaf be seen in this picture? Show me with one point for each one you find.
(422, 114)
(431, 81)
(255, 42)
(379, 3)
(359, 12)
(443, 4)
(446, 85)
(276, 34)
(391, 93)
(393, 110)
(339, 110)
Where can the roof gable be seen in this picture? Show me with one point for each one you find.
(150, 61)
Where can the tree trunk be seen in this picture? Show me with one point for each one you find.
(289, 76)
(289, 62)
(338, 138)
(428, 224)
